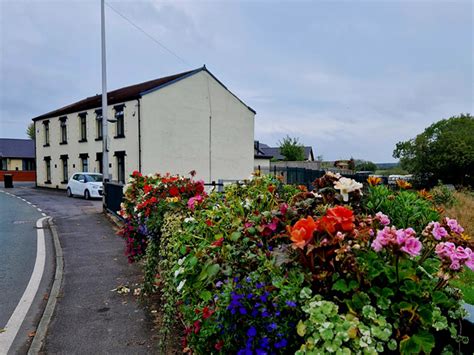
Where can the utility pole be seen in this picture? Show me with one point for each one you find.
(105, 134)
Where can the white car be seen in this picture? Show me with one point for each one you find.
(85, 184)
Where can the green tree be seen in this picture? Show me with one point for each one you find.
(291, 149)
(444, 151)
(366, 166)
(30, 130)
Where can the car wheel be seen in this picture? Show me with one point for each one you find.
(69, 192)
(87, 195)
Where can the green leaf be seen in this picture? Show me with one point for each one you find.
(305, 293)
(340, 285)
(425, 340)
(235, 236)
(205, 295)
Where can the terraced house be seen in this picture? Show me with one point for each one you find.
(188, 121)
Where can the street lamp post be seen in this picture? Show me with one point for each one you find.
(105, 135)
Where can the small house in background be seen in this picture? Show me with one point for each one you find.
(17, 157)
(275, 153)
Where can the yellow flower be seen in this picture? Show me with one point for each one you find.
(402, 184)
(373, 180)
(172, 199)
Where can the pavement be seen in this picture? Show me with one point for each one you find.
(89, 317)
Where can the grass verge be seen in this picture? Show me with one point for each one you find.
(463, 211)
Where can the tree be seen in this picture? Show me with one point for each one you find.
(292, 149)
(366, 166)
(30, 130)
(444, 151)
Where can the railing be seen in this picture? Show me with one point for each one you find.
(113, 196)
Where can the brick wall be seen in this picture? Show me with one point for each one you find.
(19, 175)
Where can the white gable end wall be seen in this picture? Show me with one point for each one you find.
(178, 134)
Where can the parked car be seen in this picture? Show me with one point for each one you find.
(392, 179)
(85, 184)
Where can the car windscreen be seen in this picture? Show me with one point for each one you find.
(94, 178)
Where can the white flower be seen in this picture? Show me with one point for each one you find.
(334, 175)
(189, 220)
(247, 204)
(178, 272)
(150, 175)
(346, 185)
(125, 188)
(180, 286)
(181, 261)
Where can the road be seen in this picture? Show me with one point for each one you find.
(90, 317)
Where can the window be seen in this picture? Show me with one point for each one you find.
(83, 127)
(63, 126)
(4, 165)
(64, 159)
(98, 125)
(28, 164)
(120, 156)
(46, 133)
(47, 162)
(120, 125)
(84, 161)
(99, 162)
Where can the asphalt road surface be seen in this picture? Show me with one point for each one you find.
(89, 317)
(17, 251)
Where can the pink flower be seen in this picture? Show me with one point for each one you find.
(193, 201)
(283, 208)
(438, 231)
(454, 226)
(412, 246)
(382, 218)
(456, 257)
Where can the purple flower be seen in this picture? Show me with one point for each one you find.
(290, 303)
(242, 310)
(252, 331)
(383, 219)
(412, 246)
(259, 285)
(248, 279)
(454, 226)
(219, 284)
(272, 327)
(281, 344)
(265, 342)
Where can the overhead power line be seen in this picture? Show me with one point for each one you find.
(147, 34)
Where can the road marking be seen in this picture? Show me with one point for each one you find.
(39, 209)
(19, 314)
(28, 202)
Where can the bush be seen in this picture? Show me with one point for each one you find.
(270, 268)
(443, 196)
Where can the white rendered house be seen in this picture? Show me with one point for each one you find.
(188, 121)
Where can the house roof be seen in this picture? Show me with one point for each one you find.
(128, 93)
(17, 148)
(276, 154)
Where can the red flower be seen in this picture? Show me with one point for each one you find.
(136, 173)
(271, 188)
(173, 191)
(208, 222)
(218, 243)
(147, 188)
(197, 326)
(206, 312)
(302, 232)
(338, 218)
(219, 345)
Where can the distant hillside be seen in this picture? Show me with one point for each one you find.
(385, 166)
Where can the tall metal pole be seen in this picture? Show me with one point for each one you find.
(105, 135)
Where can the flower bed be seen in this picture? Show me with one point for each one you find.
(268, 268)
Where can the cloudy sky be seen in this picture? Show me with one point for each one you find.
(350, 78)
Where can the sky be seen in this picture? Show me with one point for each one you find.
(349, 78)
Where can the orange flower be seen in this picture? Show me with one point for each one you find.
(372, 180)
(302, 188)
(403, 184)
(425, 194)
(271, 188)
(302, 232)
(338, 218)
